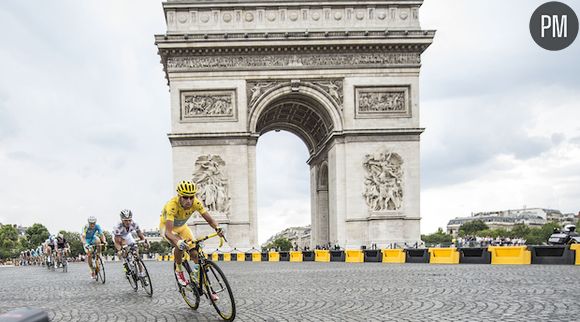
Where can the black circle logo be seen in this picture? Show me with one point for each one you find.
(554, 26)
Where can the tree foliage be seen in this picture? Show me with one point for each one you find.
(281, 244)
(74, 240)
(472, 228)
(36, 235)
(438, 237)
(10, 246)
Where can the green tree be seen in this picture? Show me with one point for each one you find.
(438, 237)
(161, 247)
(9, 245)
(36, 235)
(110, 243)
(74, 240)
(280, 243)
(519, 231)
(472, 228)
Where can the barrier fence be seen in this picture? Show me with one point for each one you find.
(495, 255)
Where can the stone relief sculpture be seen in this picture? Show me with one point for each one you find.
(196, 104)
(332, 88)
(383, 181)
(190, 63)
(257, 89)
(212, 183)
(382, 102)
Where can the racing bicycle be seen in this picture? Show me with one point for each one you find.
(211, 282)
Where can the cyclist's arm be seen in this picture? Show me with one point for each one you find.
(118, 240)
(141, 236)
(209, 219)
(174, 239)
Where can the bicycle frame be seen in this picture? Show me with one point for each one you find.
(197, 245)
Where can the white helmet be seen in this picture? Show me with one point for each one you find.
(570, 227)
(92, 220)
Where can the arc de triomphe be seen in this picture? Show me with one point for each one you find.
(341, 75)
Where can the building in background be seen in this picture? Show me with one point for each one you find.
(506, 219)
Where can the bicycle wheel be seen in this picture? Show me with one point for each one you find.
(216, 283)
(145, 280)
(130, 275)
(189, 293)
(100, 269)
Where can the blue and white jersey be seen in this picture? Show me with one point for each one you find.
(91, 233)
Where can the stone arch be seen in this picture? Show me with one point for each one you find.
(287, 107)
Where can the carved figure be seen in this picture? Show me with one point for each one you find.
(383, 181)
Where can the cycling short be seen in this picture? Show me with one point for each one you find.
(91, 241)
(182, 231)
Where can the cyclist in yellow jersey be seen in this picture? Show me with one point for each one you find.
(173, 225)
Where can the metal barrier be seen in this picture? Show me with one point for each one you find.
(256, 257)
(558, 255)
(474, 255)
(337, 256)
(416, 255)
(273, 257)
(443, 256)
(284, 256)
(220, 257)
(322, 255)
(353, 256)
(248, 257)
(308, 256)
(393, 256)
(264, 257)
(510, 255)
(373, 255)
(295, 256)
(227, 257)
(576, 248)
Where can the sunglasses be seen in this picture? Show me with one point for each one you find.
(188, 197)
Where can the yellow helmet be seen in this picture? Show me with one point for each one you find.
(187, 188)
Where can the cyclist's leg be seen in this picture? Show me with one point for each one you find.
(89, 253)
(98, 244)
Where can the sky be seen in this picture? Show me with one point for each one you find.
(84, 113)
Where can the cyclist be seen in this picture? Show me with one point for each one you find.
(92, 236)
(173, 225)
(123, 235)
(49, 250)
(62, 247)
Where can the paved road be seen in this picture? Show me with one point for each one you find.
(311, 292)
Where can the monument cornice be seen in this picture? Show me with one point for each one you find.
(292, 56)
(226, 138)
(232, 39)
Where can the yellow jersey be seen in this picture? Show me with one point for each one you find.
(174, 211)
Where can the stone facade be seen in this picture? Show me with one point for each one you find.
(342, 76)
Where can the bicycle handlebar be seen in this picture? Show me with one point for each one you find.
(208, 237)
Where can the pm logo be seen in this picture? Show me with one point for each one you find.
(554, 26)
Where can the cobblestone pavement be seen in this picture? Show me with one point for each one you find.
(310, 292)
